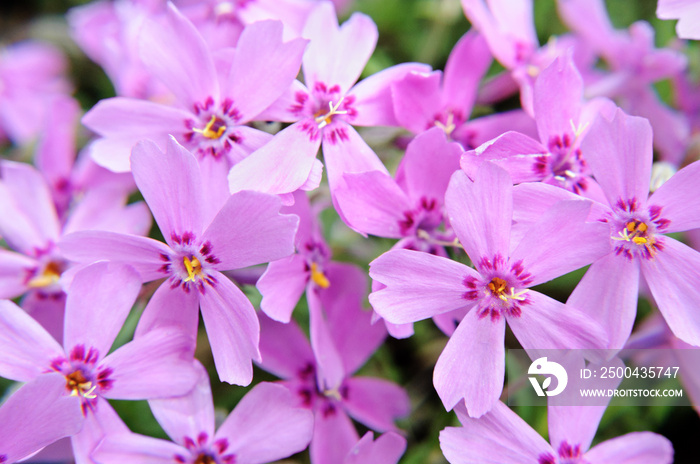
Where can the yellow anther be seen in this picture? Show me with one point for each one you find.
(333, 393)
(208, 131)
(48, 277)
(324, 119)
(642, 227)
(449, 127)
(319, 277)
(630, 226)
(640, 240)
(499, 287)
(193, 266)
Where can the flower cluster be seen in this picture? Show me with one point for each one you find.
(202, 176)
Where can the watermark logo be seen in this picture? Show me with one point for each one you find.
(549, 368)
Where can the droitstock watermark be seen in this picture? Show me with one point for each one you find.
(599, 377)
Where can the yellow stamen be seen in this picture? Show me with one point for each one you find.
(319, 277)
(208, 132)
(639, 240)
(324, 119)
(194, 267)
(333, 393)
(499, 287)
(449, 126)
(48, 277)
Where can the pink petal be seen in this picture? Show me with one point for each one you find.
(330, 371)
(548, 324)
(249, 230)
(418, 285)
(99, 300)
(28, 220)
(619, 153)
(348, 154)
(671, 276)
(158, 364)
(499, 437)
(387, 449)
(56, 150)
(171, 185)
(558, 98)
(571, 242)
(468, 62)
(333, 438)
(170, 307)
(417, 99)
(176, 54)
(233, 331)
(121, 448)
(265, 426)
(337, 56)
(373, 95)
(281, 166)
(142, 253)
(428, 164)
(359, 200)
(677, 198)
(282, 285)
(633, 448)
(350, 324)
(261, 56)
(608, 293)
(376, 403)
(284, 349)
(38, 414)
(13, 269)
(485, 204)
(190, 414)
(27, 348)
(454, 379)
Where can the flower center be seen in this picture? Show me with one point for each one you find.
(323, 119)
(204, 458)
(499, 288)
(193, 266)
(214, 129)
(48, 276)
(635, 231)
(79, 385)
(318, 277)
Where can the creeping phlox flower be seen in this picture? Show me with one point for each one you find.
(325, 109)
(562, 119)
(424, 100)
(202, 241)
(31, 225)
(264, 426)
(420, 285)
(634, 65)
(501, 437)
(342, 338)
(619, 152)
(158, 364)
(36, 415)
(215, 95)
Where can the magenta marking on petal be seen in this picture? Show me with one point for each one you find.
(629, 205)
(300, 98)
(310, 127)
(180, 458)
(3, 458)
(189, 443)
(568, 451)
(328, 409)
(220, 445)
(655, 216)
(546, 458)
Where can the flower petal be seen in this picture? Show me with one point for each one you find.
(387, 449)
(376, 403)
(417, 98)
(633, 448)
(672, 277)
(608, 293)
(475, 346)
(176, 54)
(38, 414)
(677, 198)
(155, 365)
(121, 448)
(265, 426)
(99, 300)
(284, 349)
(282, 285)
(334, 435)
(233, 330)
(13, 269)
(418, 285)
(483, 205)
(26, 347)
(142, 253)
(171, 184)
(281, 166)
